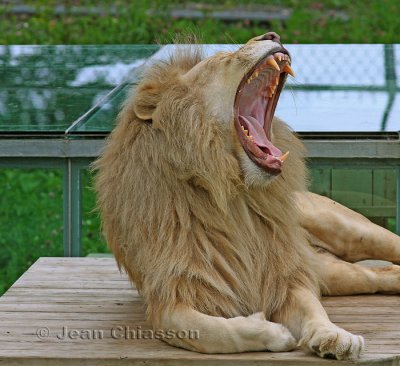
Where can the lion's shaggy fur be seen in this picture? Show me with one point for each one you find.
(178, 216)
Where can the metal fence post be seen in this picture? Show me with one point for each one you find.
(390, 81)
(72, 209)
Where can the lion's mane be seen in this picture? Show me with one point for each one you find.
(179, 218)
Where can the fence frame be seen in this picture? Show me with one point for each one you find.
(72, 156)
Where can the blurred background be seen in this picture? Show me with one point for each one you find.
(34, 94)
(121, 21)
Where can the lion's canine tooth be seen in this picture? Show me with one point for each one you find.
(284, 156)
(288, 69)
(248, 81)
(271, 61)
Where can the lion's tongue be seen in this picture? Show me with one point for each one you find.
(260, 138)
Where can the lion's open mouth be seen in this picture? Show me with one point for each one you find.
(255, 104)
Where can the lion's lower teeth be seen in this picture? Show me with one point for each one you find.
(271, 92)
(245, 131)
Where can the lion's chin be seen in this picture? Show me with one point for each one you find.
(253, 175)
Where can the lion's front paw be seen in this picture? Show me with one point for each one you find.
(283, 340)
(333, 342)
(274, 337)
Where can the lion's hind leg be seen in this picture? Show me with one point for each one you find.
(345, 233)
(222, 335)
(343, 278)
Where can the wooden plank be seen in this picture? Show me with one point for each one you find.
(371, 310)
(96, 299)
(68, 300)
(67, 308)
(54, 270)
(362, 300)
(23, 291)
(138, 313)
(81, 284)
(364, 318)
(75, 276)
(82, 262)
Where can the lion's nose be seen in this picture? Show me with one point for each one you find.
(270, 36)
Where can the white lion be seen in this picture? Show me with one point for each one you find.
(210, 216)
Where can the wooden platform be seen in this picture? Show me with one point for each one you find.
(99, 306)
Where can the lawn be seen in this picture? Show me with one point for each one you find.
(330, 21)
(31, 200)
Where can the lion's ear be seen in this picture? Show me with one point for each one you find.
(147, 97)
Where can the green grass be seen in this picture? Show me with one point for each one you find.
(31, 220)
(369, 21)
(31, 200)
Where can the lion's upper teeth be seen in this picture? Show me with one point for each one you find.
(271, 61)
(274, 77)
(288, 69)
